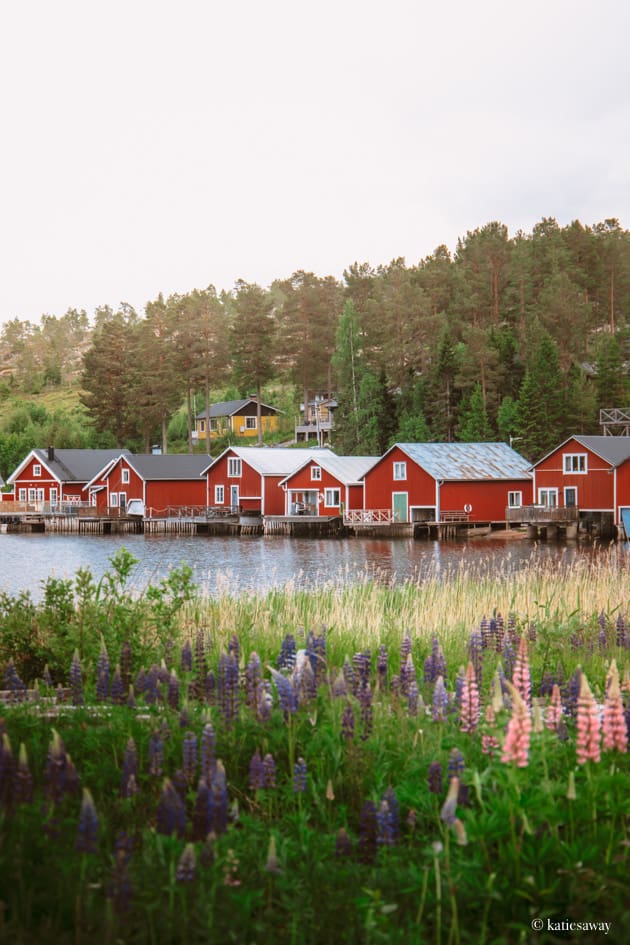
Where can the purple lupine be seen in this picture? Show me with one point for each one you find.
(485, 633)
(186, 657)
(435, 778)
(130, 701)
(532, 633)
(367, 833)
(508, 657)
(602, 638)
(475, 651)
(434, 664)
(119, 889)
(187, 866)
(14, 683)
(270, 771)
(367, 712)
(392, 817)
(287, 697)
(381, 667)
(172, 693)
(156, 754)
(256, 772)
(407, 675)
(573, 692)
(303, 680)
(264, 701)
(547, 682)
(118, 688)
(362, 665)
(208, 742)
(339, 687)
(348, 674)
(203, 811)
(621, 637)
(180, 784)
(228, 689)
(189, 752)
(456, 763)
(55, 779)
(201, 666)
(151, 692)
(125, 664)
(347, 722)
(316, 651)
(439, 703)
(287, 654)
(300, 775)
(140, 683)
(76, 680)
(210, 688)
(253, 677)
(499, 632)
(218, 787)
(87, 829)
(412, 699)
(171, 813)
(102, 674)
(129, 767)
(234, 647)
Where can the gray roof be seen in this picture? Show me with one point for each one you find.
(614, 449)
(228, 408)
(346, 469)
(272, 460)
(151, 466)
(75, 465)
(467, 461)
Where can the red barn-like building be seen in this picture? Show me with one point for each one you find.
(248, 478)
(590, 474)
(52, 478)
(326, 484)
(150, 484)
(425, 482)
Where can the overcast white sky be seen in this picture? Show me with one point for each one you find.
(159, 147)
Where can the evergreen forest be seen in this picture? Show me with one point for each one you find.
(520, 338)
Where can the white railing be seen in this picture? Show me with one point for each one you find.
(368, 517)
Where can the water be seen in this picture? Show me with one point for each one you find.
(240, 565)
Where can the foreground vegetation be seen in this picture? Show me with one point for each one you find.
(444, 761)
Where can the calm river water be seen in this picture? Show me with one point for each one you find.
(241, 565)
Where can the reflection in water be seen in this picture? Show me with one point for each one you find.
(238, 565)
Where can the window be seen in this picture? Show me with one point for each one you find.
(575, 463)
(37, 470)
(113, 500)
(316, 472)
(515, 500)
(53, 498)
(214, 425)
(125, 475)
(570, 497)
(32, 495)
(21, 495)
(332, 498)
(202, 426)
(219, 495)
(400, 470)
(234, 467)
(251, 423)
(548, 498)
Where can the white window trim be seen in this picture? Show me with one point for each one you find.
(251, 423)
(567, 462)
(235, 467)
(329, 498)
(316, 473)
(124, 477)
(219, 495)
(515, 500)
(32, 495)
(37, 470)
(552, 491)
(113, 500)
(22, 495)
(400, 471)
(570, 489)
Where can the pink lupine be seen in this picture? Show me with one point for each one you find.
(614, 722)
(489, 743)
(521, 677)
(516, 744)
(554, 711)
(588, 725)
(469, 713)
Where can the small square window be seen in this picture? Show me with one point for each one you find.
(125, 475)
(316, 472)
(251, 423)
(515, 500)
(37, 470)
(400, 470)
(332, 498)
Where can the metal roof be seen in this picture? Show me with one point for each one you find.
(614, 449)
(346, 469)
(151, 466)
(228, 408)
(467, 461)
(74, 465)
(271, 460)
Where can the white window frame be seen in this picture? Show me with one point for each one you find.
(329, 498)
(124, 476)
(235, 467)
(551, 493)
(22, 495)
(575, 464)
(219, 495)
(316, 473)
(570, 489)
(113, 500)
(202, 426)
(251, 423)
(53, 497)
(400, 471)
(32, 495)
(515, 500)
(37, 470)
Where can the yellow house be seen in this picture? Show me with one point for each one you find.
(236, 418)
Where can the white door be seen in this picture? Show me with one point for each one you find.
(234, 499)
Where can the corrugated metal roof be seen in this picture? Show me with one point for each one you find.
(151, 466)
(271, 460)
(468, 461)
(346, 469)
(614, 449)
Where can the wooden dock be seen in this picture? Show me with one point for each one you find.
(304, 526)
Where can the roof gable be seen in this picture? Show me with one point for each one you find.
(70, 465)
(269, 460)
(346, 469)
(467, 461)
(230, 408)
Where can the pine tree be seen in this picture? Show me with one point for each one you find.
(474, 426)
(541, 401)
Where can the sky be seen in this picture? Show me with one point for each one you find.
(155, 147)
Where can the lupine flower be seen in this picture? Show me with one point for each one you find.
(516, 744)
(339, 688)
(573, 691)
(456, 763)
(381, 667)
(621, 637)
(343, 845)
(186, 657)
(208, 741)
(203, 811)
(299, 776)
(440, 701)
(475, 650)
(602, 639)
(256, 772)
(546, 683)
(140, 683)
(172, 693)
(171, 813)
(588, 725)
(102, 674)
(347, 722)
(485, 632)
(489, 743)
(469, 710)
(87, 830)
(187, 866)
(435, 778)
(129, 767)
(156, 754)
(287, 697)
(367, 833)
(264, 701)
(76, 680)
(228, 685)
(253, 677)
(554, 710)
(131, 698)
(412, 699)
(499, 631)
(507, 656)
(407, 675)
(272, 864)
(303, 680)
(218, 787)
(286, 657)
(387, 819)
(270, 771)
(14, 683)
(449, 808)
(234, 648)
(521, 677)
(210, 688)
(348, 674)
(58, 777)
(189, 749)
(367, 713)
(119, 889)
(614, 722)
(118, 688)
(362, 665)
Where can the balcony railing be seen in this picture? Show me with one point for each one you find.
(368, 517)
(542, 513)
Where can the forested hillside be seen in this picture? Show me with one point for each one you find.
(523, 337)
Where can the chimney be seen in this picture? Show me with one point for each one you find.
(51, 454)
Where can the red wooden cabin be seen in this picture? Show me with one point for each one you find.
(150, 484)
(326, 485)
(53, 478)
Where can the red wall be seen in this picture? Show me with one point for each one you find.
(488, 499)
(380, 483)
(160, 493)
(27, 480)
(249, 485)
(623, 487)
(352, 497)
(594, 490)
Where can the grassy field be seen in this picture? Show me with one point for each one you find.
(440, 763)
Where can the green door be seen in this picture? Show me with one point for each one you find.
(400, 506)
